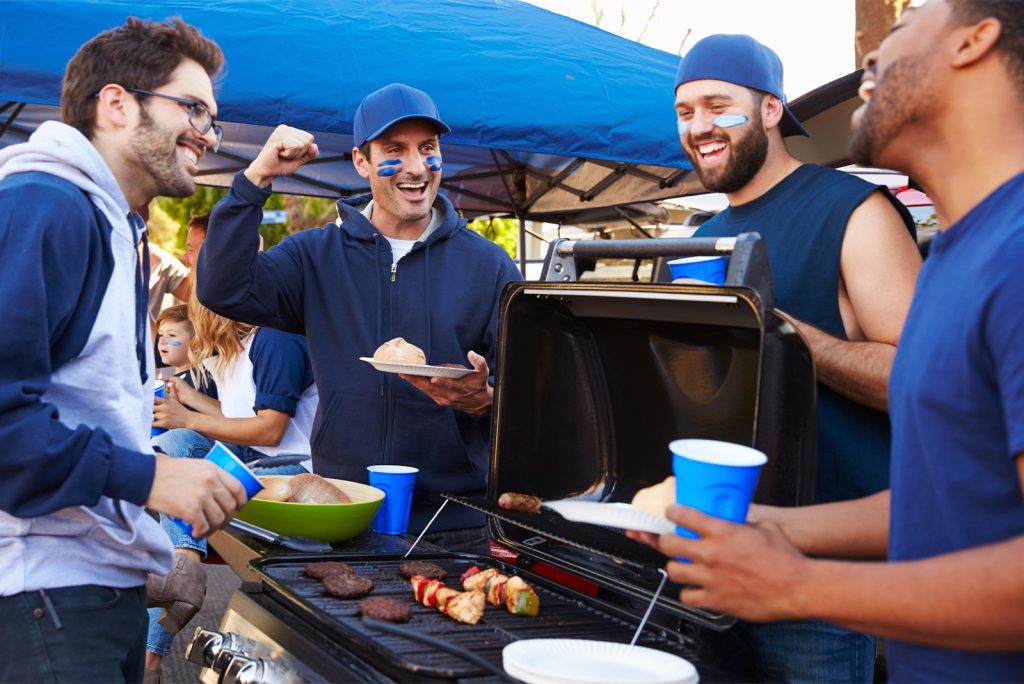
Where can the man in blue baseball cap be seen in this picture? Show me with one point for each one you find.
(844, 262)
(399, 262)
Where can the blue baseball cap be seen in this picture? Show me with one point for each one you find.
(741, 60)
(383, 108)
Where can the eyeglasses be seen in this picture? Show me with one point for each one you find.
(198, 115)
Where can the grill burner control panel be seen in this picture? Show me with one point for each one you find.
(242, 654)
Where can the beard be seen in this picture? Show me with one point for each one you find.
(387, 196)
(748, 155)
(892, 109)
(156, 150)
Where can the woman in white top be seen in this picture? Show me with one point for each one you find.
(267, 400)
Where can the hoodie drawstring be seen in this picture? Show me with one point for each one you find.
(426, 291)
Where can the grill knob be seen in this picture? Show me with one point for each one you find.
(242, 669)
(206, 644)
(223, 659)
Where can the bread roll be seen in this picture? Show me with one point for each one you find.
(658, 498)
(274, 489)
(400, 351)
(310, 488)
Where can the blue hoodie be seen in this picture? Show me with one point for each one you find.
(337, 286)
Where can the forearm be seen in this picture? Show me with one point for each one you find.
(846, 529)
(254, 288)
(971, 600)
(857, 370)
(241, 431)
(201, 403)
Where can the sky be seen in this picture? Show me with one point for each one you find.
(814, 38)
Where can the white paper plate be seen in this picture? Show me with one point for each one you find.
(411, 369)
(582, 661)
(621, 515)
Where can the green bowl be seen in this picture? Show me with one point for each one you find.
(323, 522)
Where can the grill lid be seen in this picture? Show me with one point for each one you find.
(594, 379)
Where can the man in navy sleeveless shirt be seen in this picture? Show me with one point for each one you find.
(946, 101)
(843, 261)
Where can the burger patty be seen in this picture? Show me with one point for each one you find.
(384, 608)
(409, 569)
(347, 586)
(324, 568)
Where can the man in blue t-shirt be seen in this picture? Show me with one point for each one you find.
(945, 104)
(843, 260)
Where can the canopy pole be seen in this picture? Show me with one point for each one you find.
(522, 246)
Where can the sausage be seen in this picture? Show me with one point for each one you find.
(513, 501)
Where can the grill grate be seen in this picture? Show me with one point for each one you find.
(560, 616)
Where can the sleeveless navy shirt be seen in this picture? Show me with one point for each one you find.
(803, 220)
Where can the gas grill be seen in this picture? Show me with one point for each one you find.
(593, 381)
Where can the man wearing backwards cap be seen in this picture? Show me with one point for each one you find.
(844, 261)
(399, 263)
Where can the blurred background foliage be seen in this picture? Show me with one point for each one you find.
(503, 231)
(169, 217)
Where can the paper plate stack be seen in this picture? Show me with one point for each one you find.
(581, 661)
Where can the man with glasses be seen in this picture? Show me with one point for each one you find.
(76, 375)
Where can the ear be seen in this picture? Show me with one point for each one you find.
(361, 163)
(771, 111)
(976, 42)
(114, 107)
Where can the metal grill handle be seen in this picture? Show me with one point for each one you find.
(748, 257)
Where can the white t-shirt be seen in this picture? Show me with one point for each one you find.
(399, 248)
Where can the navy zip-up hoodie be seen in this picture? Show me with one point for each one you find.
(337, 286)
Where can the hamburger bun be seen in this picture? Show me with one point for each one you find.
(658, 498)
(400, 351)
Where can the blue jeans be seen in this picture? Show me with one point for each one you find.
(182, 443)
(101, 636)
(810, 651)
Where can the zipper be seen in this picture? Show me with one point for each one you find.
(389, 382)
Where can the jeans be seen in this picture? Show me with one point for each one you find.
(101, 638)
(183, 443)
(810, 651)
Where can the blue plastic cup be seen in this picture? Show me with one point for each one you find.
(397, 483)
(716, 478)
(227, 460)
(710, 269)
(159, 392)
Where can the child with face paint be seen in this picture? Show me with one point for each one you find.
(174, 332)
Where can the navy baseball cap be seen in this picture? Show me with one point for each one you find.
(738, 59)
(383, 108)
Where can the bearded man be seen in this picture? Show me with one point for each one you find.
(844, 262)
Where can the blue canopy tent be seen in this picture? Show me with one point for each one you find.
(549, 116)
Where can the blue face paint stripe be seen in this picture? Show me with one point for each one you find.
(434, 162)
(174, 344)
(723, 121)
(389, 167)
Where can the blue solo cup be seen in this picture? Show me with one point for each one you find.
(710, 269)
(397, 483)
(228, 461)
(716, 478)
(159, 392)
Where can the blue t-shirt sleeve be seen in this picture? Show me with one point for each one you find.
(1004, 330)
(57, 264)
(281, 370)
